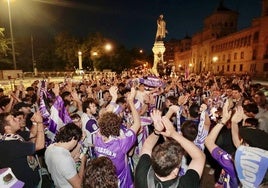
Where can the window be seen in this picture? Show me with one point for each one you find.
(254, 54)
(223, 58)
(252, 68)
(249, 40)
(234, 67)
(228, 68)
(241, 68)
(242, 55)
(235, 56)
(256, 37)
(265, 67)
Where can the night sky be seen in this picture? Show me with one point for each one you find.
(129, 22)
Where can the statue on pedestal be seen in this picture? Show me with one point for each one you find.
(159, 47)
(161, 29)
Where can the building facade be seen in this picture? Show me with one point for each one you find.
(221, 49)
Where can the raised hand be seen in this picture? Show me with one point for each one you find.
(169, 129)
(157, 119)
(113, 91)
(238, 115)
(132, 94)
(56, 89)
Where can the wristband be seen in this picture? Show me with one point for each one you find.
(156, 133)
(112, 103)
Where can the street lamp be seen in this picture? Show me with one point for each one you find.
(80, 67)
(95, 54)
(108, 47)
(214, 59)
(11, 35)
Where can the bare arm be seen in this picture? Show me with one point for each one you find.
(198, 157)
(113, 92)
(237, 117)
(38, 131)
(211, 138)
(171, 110)
(136, 117)
(153, 138)
(77, 180)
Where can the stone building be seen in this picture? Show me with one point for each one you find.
(222, 49)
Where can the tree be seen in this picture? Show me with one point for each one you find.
(3, 43)
(67, 48)
(5, 62)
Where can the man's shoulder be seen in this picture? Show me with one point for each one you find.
(190, 179)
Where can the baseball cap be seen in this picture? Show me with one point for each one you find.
(254, 137)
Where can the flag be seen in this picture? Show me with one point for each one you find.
(54, 117)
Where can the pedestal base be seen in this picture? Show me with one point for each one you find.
(158, 50)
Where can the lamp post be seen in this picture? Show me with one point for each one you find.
(80, 66)
(94, 60)
(190, 65)
(108, 47)
(215, 60)
(11, 35)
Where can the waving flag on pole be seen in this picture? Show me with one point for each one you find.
(54, 118)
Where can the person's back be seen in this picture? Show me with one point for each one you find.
(59, 161)
(159, 166)
(116, 149)
(114, 140)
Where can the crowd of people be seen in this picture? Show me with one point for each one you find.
(136, 130)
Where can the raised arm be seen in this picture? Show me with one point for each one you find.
(212, 136)
(152, 139)
(38, 131)
(136, 117)
(237, 117)
(113, 92)
(171, 110)
(198, 157)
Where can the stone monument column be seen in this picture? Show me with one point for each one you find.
(159, 47)
(158, 51)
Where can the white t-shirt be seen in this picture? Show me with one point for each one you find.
(60, 165)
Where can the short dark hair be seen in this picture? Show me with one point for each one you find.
(121, 100)
(236, 87)
(75, 116)
(105, 91)
(100, 172)
(251, 107)
(3, 121)
(5, 100)
(173, 99)
(18, 113)
(109, 124)
(68, 132)
(189, 129)
(194, 110)
(166, 157)
(252, 121)
(86, 104)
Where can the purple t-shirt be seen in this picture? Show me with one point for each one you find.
(226, 162)
(116, 149)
